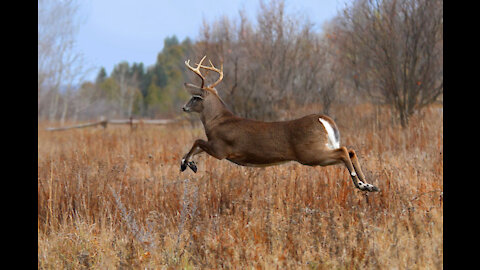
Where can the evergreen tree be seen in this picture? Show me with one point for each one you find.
(109, 90)
(170, 41)
(102, 75)
(152, 99)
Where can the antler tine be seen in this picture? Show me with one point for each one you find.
(197, 69)
(219, 71)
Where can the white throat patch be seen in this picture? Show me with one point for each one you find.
(332, 141)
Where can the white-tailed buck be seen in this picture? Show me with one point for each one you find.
(311, 140)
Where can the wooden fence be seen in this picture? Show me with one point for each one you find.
(105, 122)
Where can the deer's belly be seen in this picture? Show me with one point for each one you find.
(257, 165)
(254, 161)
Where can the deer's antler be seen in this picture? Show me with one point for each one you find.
(197, 69)
(219, 71)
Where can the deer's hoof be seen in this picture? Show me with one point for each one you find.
(183, 165)
(367, 187)
(193, 166)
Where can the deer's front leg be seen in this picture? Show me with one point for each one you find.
(198, 147)
(185, 159)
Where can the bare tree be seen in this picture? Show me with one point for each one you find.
(59, 65)
(127, 85)
(394, 50)
(271, 66)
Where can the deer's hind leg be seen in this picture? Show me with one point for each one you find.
(353, 157)
(349, 158)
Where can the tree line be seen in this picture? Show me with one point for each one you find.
(133, 90)
(379, 51)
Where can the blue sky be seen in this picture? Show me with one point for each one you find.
(117, 30)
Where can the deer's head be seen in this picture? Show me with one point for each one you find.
(204, 96)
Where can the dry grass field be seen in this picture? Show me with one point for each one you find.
(114, 199)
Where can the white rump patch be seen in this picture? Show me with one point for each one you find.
(332, 141)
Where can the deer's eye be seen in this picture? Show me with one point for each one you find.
(197, 98)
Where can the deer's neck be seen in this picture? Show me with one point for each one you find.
(214, 113)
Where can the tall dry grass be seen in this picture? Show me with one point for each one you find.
(114, 198)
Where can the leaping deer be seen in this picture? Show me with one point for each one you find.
(311, 140)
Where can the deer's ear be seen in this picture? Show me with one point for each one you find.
(194, 90)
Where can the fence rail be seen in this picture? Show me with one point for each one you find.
(105, 123)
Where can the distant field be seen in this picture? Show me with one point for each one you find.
(114, 198)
